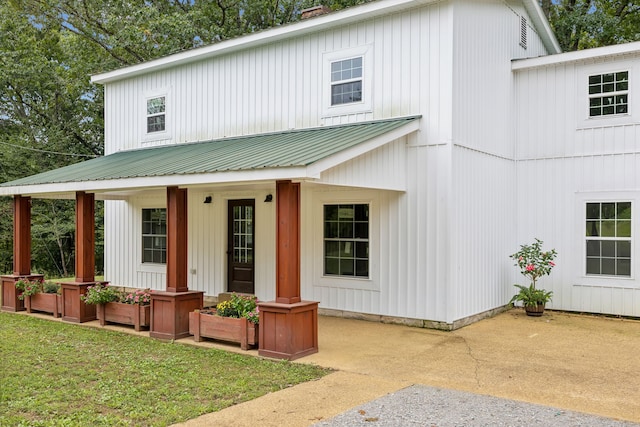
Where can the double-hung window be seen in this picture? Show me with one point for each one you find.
(154, 236)
(346, 81)
(609, 94)
(156, 120)
(608, 238)
(346, 240)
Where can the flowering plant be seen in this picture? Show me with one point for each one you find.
(100, 294)
(140, 296)
(28, 287)
(533, 263)
(240, 306)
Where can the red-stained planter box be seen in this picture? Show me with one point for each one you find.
(216, 327)
(136, 315)
(49, 303)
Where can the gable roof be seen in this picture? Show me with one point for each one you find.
(293, 154)
(345, 16)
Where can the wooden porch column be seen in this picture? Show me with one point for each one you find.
(21, 235)
(170, 309)
(21, 254)
(73, 309)
(288, 325)
(85, 237)
(176, 240)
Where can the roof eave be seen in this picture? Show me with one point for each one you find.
(300, 28)
(542, 24)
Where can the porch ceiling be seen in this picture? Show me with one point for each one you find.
(293, 154)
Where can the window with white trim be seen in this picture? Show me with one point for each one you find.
(154, 236)
(346, 81)
(608, 238)
(346, 240)
(609, 94)
(156, 120)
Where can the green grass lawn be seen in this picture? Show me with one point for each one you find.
(60, 374)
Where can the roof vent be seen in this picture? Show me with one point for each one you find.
(314, 11)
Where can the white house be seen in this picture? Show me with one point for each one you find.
(428, 140)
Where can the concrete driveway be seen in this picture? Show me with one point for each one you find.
(576, 362)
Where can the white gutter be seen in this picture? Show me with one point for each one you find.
(540, 22)
(341, 17)
(580, 55)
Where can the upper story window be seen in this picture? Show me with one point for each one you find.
(608, 235)
(347, 77)
(154, 236)
(346, 81)
(346, 240)
(609, 94)
(156, 121)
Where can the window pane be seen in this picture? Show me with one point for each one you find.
(155, 123)
(346, 230)
(154, 240)
(608, 228)
(346, 212)
(345, 93)
(593, 265)
(623, 267)
(623, 249)
(332, 266)
(593, 228)
(362, 250)
(155, 105)
(624, 210)
(362, 230)
(623, 228)
(593, 210)
(608, 266)
(331, 230)
(346, 267)
(608, 248)
(331, 212)
(346, 249)
(362, 268)
(331, 249)
(593, 248)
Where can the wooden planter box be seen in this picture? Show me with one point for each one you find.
(223, 328)
(135, 315)
(49, 303)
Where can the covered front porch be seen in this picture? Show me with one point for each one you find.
(201, 187)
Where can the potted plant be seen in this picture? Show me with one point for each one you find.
(533, 263)
(43, 296)
(127, 308)
(234, 320)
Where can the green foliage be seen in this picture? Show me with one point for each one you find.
(530, 296)
(100, 294)
(28, 287)
(533, 263)
(50, 288)
(583, 24)
(240, 306)
(59, 374)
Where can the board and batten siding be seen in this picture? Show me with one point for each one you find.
(564, 161)
(419, 233)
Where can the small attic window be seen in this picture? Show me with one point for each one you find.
(523, 32)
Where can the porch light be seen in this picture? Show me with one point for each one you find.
(207, 199)
(269, 198)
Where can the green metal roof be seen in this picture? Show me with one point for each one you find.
(272, 150)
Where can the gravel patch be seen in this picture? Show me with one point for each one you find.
(435, 407)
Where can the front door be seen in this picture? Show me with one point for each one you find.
(240, 245)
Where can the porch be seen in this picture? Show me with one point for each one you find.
(278, 162)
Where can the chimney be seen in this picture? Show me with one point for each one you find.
(314, 11)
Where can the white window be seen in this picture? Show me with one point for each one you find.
(609, 94)
(156, 120)
(154, 236)
(346, 86)
(608, 238)
(346, 240)
(346, 81)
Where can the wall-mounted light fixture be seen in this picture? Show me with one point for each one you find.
(208, 199)
(269, 198)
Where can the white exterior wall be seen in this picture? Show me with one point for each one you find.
(434, 61)
(482, 218)
(566, 160)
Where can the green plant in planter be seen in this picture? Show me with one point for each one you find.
(533, 263)
(100, 294)
(50, 288)
(240, 306)
(28, 287)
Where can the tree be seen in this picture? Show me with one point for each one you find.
(583, 24)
